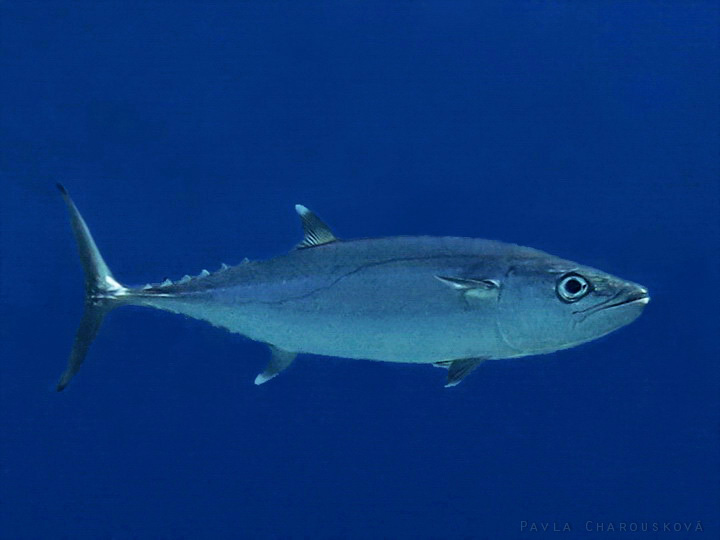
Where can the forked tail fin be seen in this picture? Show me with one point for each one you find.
(102, 291)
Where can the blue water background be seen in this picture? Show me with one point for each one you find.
(186, 132)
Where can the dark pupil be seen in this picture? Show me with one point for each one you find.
(573, 286)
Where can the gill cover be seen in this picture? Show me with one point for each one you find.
(550, 304)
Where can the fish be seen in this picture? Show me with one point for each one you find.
(451, 302)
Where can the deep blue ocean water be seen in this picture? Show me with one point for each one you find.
(187, 131)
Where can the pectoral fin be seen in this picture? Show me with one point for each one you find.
(459, 369)
(278, 362)
(476, 287)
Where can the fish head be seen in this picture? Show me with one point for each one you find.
(546, 304)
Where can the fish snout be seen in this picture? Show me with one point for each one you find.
(630, 294)
(637, 293)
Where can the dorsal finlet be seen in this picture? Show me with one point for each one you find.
(317, 232)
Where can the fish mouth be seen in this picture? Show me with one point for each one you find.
(637, 297)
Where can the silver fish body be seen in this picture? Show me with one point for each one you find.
(453, 302)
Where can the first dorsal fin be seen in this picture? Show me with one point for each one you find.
(316, 232)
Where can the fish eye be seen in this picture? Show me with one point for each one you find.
(572, 287)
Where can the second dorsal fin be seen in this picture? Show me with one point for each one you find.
(316, 232)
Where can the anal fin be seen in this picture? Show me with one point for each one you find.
(279, 360)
